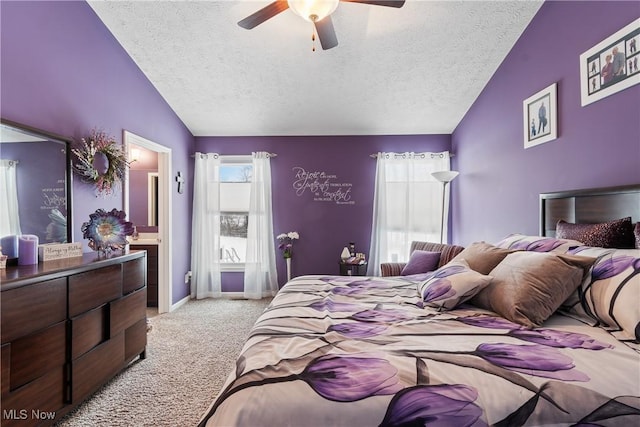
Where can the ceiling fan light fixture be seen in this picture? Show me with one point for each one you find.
(313, 10)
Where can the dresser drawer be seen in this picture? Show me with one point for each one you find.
(135, 340)
(128, 310)
(44, 396)
(30, 308)
(96, 367)
(134, 275)
(94, 288)
(88, 330)
(36, 354)
(5, 368)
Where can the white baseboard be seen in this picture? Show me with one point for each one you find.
(180, 303)
(233, 295)
(225, 295)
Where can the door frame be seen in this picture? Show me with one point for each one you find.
(164, 214)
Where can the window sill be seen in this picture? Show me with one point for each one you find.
(230, 268)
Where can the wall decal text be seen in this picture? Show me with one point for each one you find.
(324, 186)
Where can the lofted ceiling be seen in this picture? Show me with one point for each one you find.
(412, 70)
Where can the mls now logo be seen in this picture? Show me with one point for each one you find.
(23, 414)
(14, 414)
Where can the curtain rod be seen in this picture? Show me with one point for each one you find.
(230, 155)
(422, 155)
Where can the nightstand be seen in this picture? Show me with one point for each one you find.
(353, 269)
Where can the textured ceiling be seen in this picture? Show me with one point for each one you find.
(413, 70)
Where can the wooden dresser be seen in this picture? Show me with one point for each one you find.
(68, 326)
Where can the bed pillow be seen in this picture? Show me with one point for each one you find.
(612, 234)
(523, 242)
(421, 262)
(482, 257)
(636, 232)
(451, 285)
(528, 287)
(609, 296)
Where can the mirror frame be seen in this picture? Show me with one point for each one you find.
(68, 163)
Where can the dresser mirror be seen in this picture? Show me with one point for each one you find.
(35, 183)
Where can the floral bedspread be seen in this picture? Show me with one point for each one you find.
(360, 351)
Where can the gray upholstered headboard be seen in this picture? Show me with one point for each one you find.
(588, 206)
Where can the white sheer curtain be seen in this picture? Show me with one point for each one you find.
(260, 275)
(9, 217)
(406, 206)
(205, 234)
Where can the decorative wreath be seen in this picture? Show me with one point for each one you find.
(101, 161)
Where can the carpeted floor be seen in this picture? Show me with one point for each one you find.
(190, 352)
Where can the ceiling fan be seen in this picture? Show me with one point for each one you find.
(316, 11)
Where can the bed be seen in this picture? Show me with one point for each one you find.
(453, 348)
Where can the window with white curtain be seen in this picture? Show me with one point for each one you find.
(232, 224)
(235, 184)
(407, 205)
(9, 217)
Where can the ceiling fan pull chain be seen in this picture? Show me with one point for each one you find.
(313, 39)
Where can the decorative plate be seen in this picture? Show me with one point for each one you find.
(107, 231)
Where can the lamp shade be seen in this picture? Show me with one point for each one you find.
(313, 10)
(445, 176)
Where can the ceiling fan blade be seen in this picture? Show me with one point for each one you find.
(387, 3)
(326, 33)
(263, 14)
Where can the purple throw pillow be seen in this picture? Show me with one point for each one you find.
(612, 234)
(421, 262)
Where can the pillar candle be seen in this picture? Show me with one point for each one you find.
(27, 249)
(9, 246)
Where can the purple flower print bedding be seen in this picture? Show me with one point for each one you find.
(359, 351)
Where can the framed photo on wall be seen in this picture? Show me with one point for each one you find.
(540, 117)
(612, 65)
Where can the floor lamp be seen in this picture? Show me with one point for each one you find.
(445, 177)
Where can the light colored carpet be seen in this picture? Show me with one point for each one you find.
(190, 352)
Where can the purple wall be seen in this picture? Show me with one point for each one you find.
(62, 71)
(325, 227)
(598, 145)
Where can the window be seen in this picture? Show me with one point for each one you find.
(235, 184)
(411, 207)
(406, 205)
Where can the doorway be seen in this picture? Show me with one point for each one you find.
(162, 206)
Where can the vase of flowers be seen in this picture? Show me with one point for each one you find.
(285, 244)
